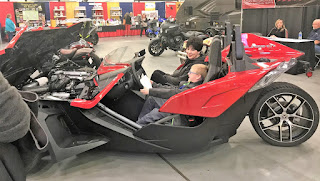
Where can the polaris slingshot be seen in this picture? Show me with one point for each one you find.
(101, 108)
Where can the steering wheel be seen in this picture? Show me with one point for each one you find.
(138, 71)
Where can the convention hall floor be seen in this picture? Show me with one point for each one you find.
(246, 157)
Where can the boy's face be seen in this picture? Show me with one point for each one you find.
(193, 76)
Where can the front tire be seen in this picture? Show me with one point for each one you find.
(155, 48)
(284, 115)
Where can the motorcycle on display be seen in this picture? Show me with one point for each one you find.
(80, 44)
(153, 28)
(99, 108)
(89, 32)
(171, 36)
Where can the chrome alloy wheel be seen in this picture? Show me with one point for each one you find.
(286, 117)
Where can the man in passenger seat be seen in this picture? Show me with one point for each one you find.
(159, 94)
(194, 47)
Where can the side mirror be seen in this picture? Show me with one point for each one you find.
(140, 54)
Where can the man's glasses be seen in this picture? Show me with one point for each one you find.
(191, 72)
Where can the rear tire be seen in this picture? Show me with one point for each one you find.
(96, 61)
(210, 32)
(94, 39)
(155, 48)
(284, 115)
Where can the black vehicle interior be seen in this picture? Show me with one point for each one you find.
(130, 103)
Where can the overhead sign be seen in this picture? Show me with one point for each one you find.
(297, 2)
(253, 4)
(150, 6)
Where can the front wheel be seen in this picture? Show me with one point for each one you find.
(284, 115)
(155, 48)
(94, 39)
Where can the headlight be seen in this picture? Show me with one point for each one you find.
(273, 75)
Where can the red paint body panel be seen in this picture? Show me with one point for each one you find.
(88, 104)
(215, 97)
(16, 38)
(259, 47)
(105, 69)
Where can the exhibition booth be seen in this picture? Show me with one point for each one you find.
(260, 17)
(108, 16)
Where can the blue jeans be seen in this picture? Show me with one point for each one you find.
(150, 111)
(10, 35)
(317, 49)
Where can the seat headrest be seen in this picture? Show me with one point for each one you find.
(215, 63)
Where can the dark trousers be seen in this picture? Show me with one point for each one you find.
(10, 36)
(11, 165)
(150, 111)
(143, 28)
(158, 77)
(317, 49)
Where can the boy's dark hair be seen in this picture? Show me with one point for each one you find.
(195, 42)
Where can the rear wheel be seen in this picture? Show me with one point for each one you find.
(155, 48)
(96, 61)
(210, 32)
(285, 115)
(94, 39)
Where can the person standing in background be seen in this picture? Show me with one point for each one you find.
(279, 30)
(143, 24)
(315, 35)
(127, 19)
(10, 27)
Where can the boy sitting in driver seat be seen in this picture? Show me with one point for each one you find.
(159, 94)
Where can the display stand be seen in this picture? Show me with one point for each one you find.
(30, 15)
(115, 13)
(80, 12)
(97, 12)
(59, 15)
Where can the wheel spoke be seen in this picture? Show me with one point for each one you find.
(268, 118)
(290, 130)
(296, 125)
(280, 132)
(300, 117)
(293, 99)
(271, 126)
(279, 103)
(295, 112)
(271, 109)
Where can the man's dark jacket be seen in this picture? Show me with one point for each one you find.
(167, 91)
(182, 73)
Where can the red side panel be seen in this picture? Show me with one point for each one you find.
(58, 4)
(6, 8)
(88, 104)
(105, 69)
(15, 38)
(213, 98)
(171, 9)
(259, 47)
(137, 8)
(105, 10)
